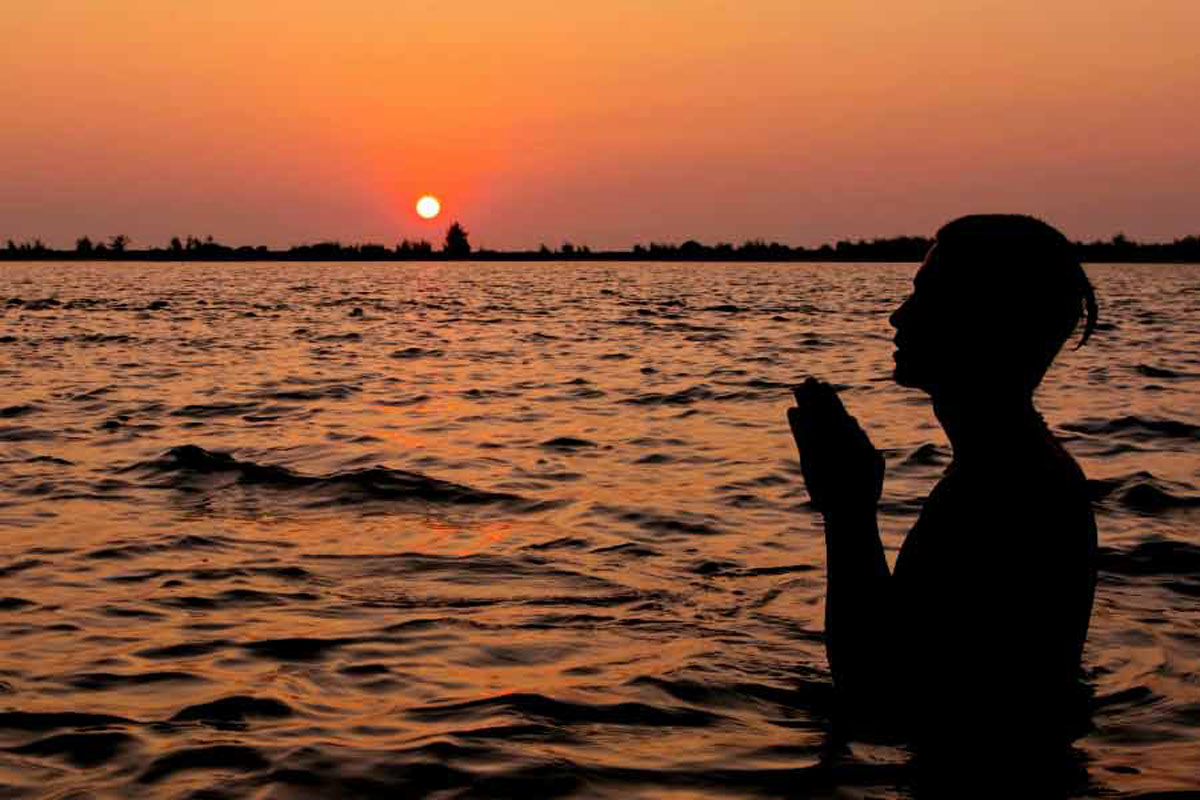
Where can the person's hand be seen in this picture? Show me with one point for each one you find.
(842, 469)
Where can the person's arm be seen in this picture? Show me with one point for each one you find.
(844, 475)
(857, 603)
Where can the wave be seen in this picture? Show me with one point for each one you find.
(184, 463)
(42, 721)
(1135, 427)
(1144, 493)
(417, 352)
(1172, 565)
(239, 758)
(79, 749)
(236, 708)
(568, 443)
(686, 523)
(1152, 558)
(1151, 371)
(924, 455)
(20, 566)
(205, 411)
(336, 391)
(162, 544)
(105, 681)
(560, 712)
(22, 433)
(683, 397)
(814, 694)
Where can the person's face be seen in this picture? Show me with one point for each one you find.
(971, 328)
(930, 329)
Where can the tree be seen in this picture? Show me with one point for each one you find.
(118, 243)
(83, 246)
(456, 245)
(418, 248)
(176, 245)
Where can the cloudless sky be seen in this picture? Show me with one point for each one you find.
(605, 123)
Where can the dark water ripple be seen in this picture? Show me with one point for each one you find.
(537, 530)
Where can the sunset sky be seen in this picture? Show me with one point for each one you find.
(603, 123)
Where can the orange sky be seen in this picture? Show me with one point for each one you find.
(604, 122)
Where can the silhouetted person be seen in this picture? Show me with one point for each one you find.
(973, 644)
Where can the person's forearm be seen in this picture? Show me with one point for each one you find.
(856, 598)
(852, 543)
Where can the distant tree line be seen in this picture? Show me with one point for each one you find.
(456, 245)
(900, 248)
(193, 248)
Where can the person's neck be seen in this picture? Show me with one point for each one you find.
(984, 426)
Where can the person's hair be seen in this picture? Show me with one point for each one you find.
(1029, 271)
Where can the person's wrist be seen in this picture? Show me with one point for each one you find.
(849, 511)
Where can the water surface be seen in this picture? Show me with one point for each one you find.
(533, 529)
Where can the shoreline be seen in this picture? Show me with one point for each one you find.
(157, 257)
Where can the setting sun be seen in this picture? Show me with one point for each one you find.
(428, 207)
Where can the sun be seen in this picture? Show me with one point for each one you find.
(428, 207)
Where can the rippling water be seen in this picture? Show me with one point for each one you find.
(513, 529)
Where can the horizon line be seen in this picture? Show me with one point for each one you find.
(897, 249)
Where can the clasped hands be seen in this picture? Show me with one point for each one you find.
(842, 469)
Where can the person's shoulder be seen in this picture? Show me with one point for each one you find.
(1056, 494)
(1031, 488)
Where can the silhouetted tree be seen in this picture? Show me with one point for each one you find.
(118, 243)
(176, 246)
(83, 246)
(456, 245)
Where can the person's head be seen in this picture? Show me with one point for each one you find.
(992, 305)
